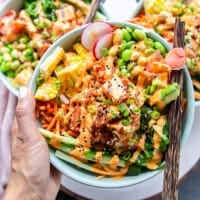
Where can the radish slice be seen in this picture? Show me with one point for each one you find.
(176, 58)
(8, 16)
(104, 42)
(93, 32)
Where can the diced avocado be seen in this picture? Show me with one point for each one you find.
(170, 93)
(162, 97)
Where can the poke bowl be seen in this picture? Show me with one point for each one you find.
(102, 93)
(160, 16)
(27, 30)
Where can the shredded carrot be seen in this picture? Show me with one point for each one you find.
(58, 127)
(52, 123)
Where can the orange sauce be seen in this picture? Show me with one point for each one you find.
(155, 160)
(114, 160)
(156, 140)
(141, 142)
(55, 143)
(78, 153)
(135, 155)
(117, 177)
(110, 172)
(84, 139)
(156, 100)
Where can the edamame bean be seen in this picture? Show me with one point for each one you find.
(155, 114)
(152, 89)
(28, 52)
(1, 58)
(126, 113)
(123, 72)
(11, 73)
(129, 44)
(10, 47)
(138, 34)
(29, 58)
(190, 63)
(126, 122)
(120, 62)
(129, 29)
(160, 47)
(123, 46)
(126, 54)
(24, 39)
(149, 51)
(5, 66)
(136, 110)
(126, 35)
(149, 42)
(126, 45)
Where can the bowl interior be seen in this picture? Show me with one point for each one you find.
(91, 179)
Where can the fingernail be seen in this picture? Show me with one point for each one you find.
(23, 92)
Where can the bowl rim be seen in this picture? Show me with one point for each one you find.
(127, 180)
(197, 103)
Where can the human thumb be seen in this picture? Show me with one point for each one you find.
(25, 114)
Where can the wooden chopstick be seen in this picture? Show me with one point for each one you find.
(92, 11)
(171, 171)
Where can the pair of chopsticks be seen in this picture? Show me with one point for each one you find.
(171, 172)
(92, 11)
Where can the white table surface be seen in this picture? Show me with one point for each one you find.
(122, 10)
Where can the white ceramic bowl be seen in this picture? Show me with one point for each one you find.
(91, 179)
(17, 5)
